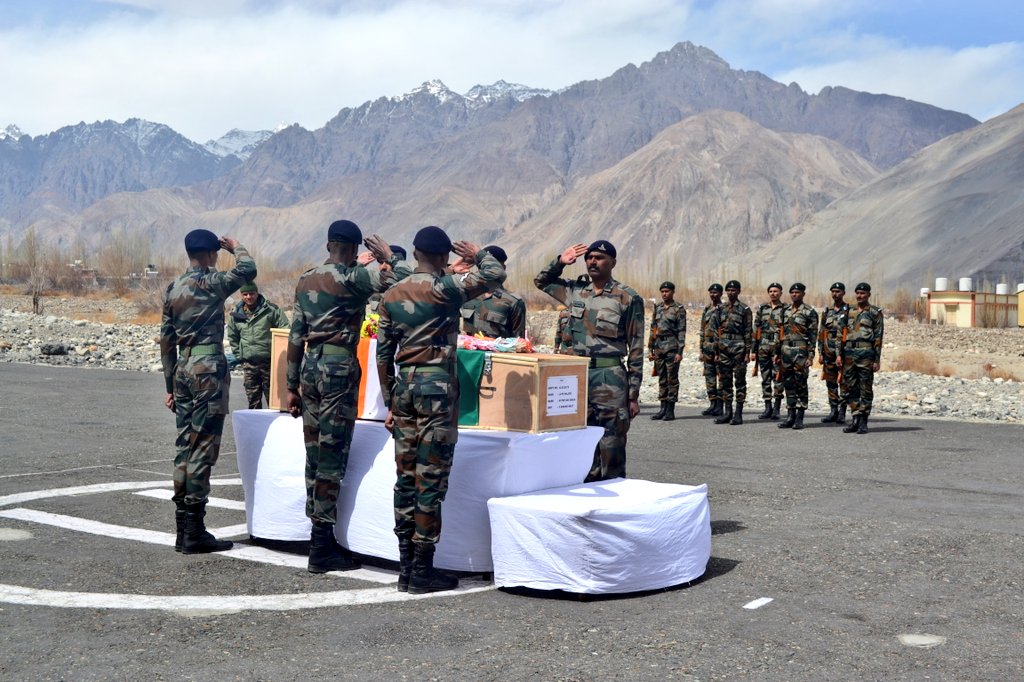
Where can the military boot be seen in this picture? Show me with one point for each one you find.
(660, 414)
(854, 425)
(727, 415)
(737, 416)
(798, 423)
(767, 414)
(325, 554)
(406, 551)
(710, 410)
(862, 427)
(196, 540)
(776, 406)
(790, 419)
(179, 524)
(425, 578)
(841, 414)
(833, 415)
(670, 411)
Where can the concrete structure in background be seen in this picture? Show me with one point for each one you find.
(968, 308)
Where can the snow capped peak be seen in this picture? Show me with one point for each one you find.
(12, 132)
(241, 143)
(482, 94)
(434, 88)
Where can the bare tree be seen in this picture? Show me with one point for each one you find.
(126, 256)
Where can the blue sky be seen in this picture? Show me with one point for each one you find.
(206, 66)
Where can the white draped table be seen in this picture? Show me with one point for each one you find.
(271, 462)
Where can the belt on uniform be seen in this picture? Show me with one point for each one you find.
(335, 349)
(427, 369)
(604, 363)
(201, 349)
(860, 344)
(732, 336)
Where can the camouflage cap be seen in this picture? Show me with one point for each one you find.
(837, 285)
(667, 285)
(798, 286)
(863, 286)
(249, 288)
(715, 287)
(201, 240)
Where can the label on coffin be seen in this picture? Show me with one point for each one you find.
(562, 395)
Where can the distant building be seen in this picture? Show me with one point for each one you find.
(969, 308)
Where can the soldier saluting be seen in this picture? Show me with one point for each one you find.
(668, 337)
(498, 313)
(862, 357)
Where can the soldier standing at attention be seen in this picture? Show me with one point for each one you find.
(330, 301)
(606, 322)
(734, 339)
(766, 331)
(795, 354)
(249, 334)
(862, 357)
(197, 379)
(498, 313)
(833, 319)
(708, 332)
(418, 330)
(668, 337)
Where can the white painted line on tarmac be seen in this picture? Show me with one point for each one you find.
(217, 502)
(758, 603)
(86, 526)
(21, 498)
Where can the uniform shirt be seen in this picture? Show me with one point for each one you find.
(735, 324)
(419, 317)
(766, 325)
(249, 330)
(709, 327)
(330, 302)
(193, 313)
(832, 322)
(866, 326)
(497, 314)
(668, 328)
(799, 327)
(604, 324)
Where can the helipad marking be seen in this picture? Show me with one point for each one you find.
(19, 498)
(217, 502)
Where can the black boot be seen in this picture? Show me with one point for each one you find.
(660, 414)
(841, 415)
(863, 426)
(776, 406)
(195, 539)
(854, 425)
(790, 419)
(712, 410)
(325, 554)
(719, 408)
(406, 551)
(727, 415)
(670, 411)
(179, 524)
(737, 416)
(798, 423)
(767, 414)
(833, 415)
(425, 578)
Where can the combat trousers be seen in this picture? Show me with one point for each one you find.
(201, 391)
(256, 380)
(667, 368)
(830, 373)
(608, 407)
(732, 370)
(330, 388)
(425, 412)
(858, 381)
(770, 388)
(711, 382)
(795, 368)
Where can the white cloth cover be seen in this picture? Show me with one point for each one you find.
(271, 462)
(611, 537)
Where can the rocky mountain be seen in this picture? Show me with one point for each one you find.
(238, 143)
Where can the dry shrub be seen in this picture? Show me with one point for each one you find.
(920, 362)
(992, 372)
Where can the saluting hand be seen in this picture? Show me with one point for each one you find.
(229, 244)
(569, 256)
(365, 258)
(467, 250)
(378, 247)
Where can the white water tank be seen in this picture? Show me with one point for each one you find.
(966, 284)
(924, 292)
(941, 284)
(1003, 289)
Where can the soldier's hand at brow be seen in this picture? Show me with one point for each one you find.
(229, 244)
(467, 250)
(365, 258)
(380, 248)
(460, 267)
(569, 256)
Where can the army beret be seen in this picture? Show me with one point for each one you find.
(432, 239)
(863, 286)
(201, 240)
(398, 251)
(733, 284)
(602, 245)
(775, 285)
(498, 253)
(249, 288)
(798, 286)
(344, 231)
(715, 287)
(837, 285)
(667, 285)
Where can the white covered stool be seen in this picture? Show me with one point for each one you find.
(622, 535)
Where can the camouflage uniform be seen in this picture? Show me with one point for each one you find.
(497, 314)
(863, 348)
(196, 371)
(708, 340)
(833, 320)
(606, 326)
(563, 340)
(667, 340)
(330, 301)
(734, 337)
(249, 335)
(766, 331)
(419, 326)
(795, 350)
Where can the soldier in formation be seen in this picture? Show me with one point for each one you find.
(767, 319)
(418, 330)
(665, 348)
(861, 357)
(833, 319)
(708, 341)
(734, 336)
(248, 332)
(606, 324)
(795, 354)
(197, 379)
(498, 313)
